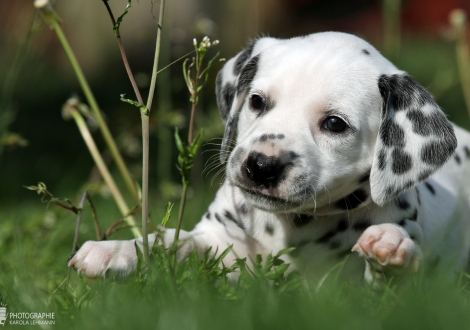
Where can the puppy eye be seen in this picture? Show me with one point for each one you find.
(257, 102)
(334, 124)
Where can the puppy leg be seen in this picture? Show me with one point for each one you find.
(387, 248)
(95, 259)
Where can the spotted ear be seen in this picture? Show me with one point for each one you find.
(414, 140)
(232, 83)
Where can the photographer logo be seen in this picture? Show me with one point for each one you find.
(3, 314)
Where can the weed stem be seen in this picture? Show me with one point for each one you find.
(104, 170)
(51, 18)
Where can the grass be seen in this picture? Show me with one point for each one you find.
(35, 243)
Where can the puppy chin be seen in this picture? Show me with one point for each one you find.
(270, 202)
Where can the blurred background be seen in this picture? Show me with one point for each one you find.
(36, 79)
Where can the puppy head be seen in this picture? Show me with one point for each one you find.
(316, 115)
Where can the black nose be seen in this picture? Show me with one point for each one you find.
(263, 170)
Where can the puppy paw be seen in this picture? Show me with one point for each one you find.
(389, 247)
(96, 259)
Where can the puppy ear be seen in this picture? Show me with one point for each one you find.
(414, 140)
(232, 83)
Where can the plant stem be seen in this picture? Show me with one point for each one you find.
(180, 215)
(77, 231)
(194, 104)
(123, 55)
(391, 15)
(104, 170)
(145, 137)
(51, 18)
(157, 56)
(145, 185)
(95, 218)
(458, 20)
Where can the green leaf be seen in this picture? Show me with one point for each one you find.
(277, 272)
(167, 215)
(142, 107)
(285, 251)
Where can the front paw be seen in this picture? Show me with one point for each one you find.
(96, 259)
(389, 247)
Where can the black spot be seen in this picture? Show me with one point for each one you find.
(230, 217)
(342, 226)
(467, 151)
(391, 191)
(433, 123)
(400, 92)
(418, 196)
(414, 217)
(219, 218)
(402, 203)
(244, 209)
(408, 185)
(402, 222)
(208, 215)
(242, 58)
(301, 220)
(381, 159)
(269, 229)
(365, 177)
(326, 237)
(361, 225)
(401, 161)
(430, 188)
(225, 95)
(424, 175)
(437, 152)
(365, 51)
(228, 94)
(266, 137)
(353, 200)
(247, 74)
(412, 237)
(457, 159)
(392, 134)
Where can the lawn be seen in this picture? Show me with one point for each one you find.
(35, 241)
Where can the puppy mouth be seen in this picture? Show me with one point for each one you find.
(269, 202)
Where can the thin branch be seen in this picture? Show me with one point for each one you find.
(95, 217)
(70, 109)
(194, 104)
(145, 138)
(123, 55)
(114, 225)
(157, 56)
(77, 231)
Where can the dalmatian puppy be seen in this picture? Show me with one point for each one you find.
(338, 153)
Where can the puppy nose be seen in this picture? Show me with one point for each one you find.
(263, 170)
